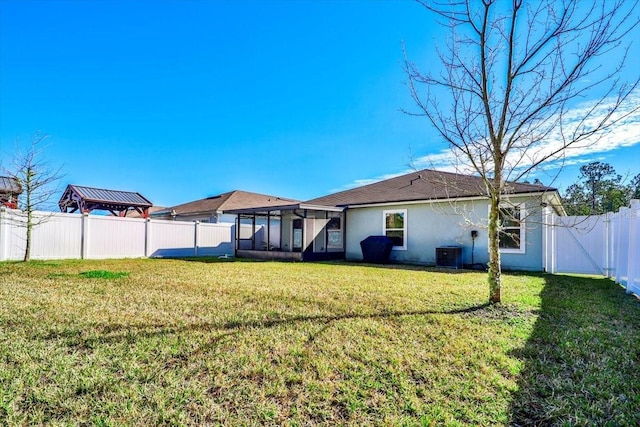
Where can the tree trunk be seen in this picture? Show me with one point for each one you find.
(495, 273)
(29, 209)
(27, 249)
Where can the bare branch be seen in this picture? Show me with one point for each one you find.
(514, 77)
(38, 182)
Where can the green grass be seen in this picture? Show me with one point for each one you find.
(104, 274)
(200, 342)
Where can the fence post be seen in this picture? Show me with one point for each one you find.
(554, 231)
(622, 245)
(607, 244)
(3, 234)
(195, 238)
(147, 237)
(613, 240)
(633, 251)
(547, 238)
(84, 244)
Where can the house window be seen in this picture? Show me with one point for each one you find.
(297, 235)
(395, 226)
(334, 233)
(512, 230)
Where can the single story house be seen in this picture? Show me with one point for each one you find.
(422, 212)
(212, 210)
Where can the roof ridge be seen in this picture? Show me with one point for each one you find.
(262, 194)
(431, 185)
(378, 181)
(227, 200)
(102, 189)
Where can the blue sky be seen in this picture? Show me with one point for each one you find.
(180, 100)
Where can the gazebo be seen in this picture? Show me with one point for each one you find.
(10, 189)
(87, 199)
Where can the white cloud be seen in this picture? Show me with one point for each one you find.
(625, 133)
(367, 181)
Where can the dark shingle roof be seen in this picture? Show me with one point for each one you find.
(421, 185)
(9, 185)
(227, 201)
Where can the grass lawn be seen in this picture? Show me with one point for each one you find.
(191, 342)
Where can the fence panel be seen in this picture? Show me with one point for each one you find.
(75, 236)
(621, 245)
(215, 239)
(579, 245)
(113, 237)
(58, 237)
(608, 245)
(171, 239)
(13, 236)
(628, 256)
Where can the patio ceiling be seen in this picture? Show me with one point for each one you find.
(278, 210)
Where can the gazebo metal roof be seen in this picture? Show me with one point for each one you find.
(9, 185)
(87, 199)
(10, 189)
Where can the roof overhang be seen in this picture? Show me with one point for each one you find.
(551, 195)
(278, 210)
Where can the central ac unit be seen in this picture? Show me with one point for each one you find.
(449, 256)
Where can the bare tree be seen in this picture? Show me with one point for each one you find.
(513, 74)
(38, 181)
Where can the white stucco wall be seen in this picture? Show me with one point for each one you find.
(431, 225)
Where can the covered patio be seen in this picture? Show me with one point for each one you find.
(293, 232)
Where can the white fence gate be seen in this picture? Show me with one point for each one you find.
(73, 236)
(607, 245)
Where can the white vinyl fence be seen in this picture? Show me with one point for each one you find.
(68, 236)
(608, 245)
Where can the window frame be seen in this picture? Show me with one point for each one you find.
(521, 227)
(334, 232)
(403, 229)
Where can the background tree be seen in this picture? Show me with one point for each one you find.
(576, 201)
(634, 187)
(601, 180)
(512, 73)
(38, 181)
(599, 189)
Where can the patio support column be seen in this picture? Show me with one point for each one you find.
(237, 243)
(326, 231)
(304, 234)
(280, 231)
(343, 219)
(253, 232)
(268, 231)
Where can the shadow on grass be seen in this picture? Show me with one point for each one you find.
(208, 259)
(399, 266)
(117, 333)
(582, 360)
(337, 263)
